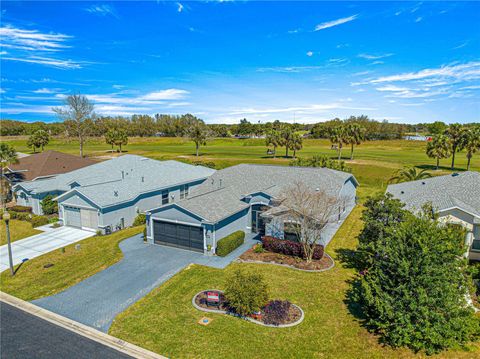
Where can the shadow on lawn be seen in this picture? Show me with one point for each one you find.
(440, 168)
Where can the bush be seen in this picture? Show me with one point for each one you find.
(21, 216)
(290, 248)
(145, 234)
(258, 248)
(246, 293)
(23, 209)
(140, 220)
(48, 205)
(230, 243)
(38, 221)
(276, 312)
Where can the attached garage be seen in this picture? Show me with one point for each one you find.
(178, 235)
(80, 217)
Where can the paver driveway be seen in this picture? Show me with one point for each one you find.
(34, 246)
(98, 299)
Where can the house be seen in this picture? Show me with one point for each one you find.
(109, 195)
(44, 165)
(234, 199)
(455, 197)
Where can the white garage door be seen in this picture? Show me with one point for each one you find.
(72, 216)
(89, 218)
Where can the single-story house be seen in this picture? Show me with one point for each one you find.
(44, 165)
(234, 199)
(109, 195)
(455, 198)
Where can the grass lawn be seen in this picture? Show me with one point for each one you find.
(166, 322)
(18, 230)
(33, 281)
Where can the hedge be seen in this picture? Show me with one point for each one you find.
(230, 243)
(18, 208)
(289, 248)
(38, 221)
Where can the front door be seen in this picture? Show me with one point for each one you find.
(258, 225)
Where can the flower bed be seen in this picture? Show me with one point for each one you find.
(325, 263)
(276, 313)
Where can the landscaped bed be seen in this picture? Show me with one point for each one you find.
(325, 263)
(276, 313)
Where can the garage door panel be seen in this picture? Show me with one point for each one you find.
(178, 235)
(72, 217)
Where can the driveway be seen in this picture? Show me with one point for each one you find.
(97, 300)
(34, 246)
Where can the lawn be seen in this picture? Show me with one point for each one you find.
(18, 230)
(33, 281)
(374, 162)
(166, 322)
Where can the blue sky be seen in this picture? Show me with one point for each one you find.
(225, 60)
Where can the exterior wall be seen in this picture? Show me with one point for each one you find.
(237, 222)
(348, 193)
(23, 198)
(457, 216)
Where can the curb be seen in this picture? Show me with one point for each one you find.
(217, 311)
(291, 267)
(81, 329)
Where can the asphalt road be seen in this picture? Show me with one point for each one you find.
(23, 335)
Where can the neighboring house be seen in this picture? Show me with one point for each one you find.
(109, 195)
(455, 197)
(44, 165)
(233, 199)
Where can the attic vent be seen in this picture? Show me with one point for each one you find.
(115, 193)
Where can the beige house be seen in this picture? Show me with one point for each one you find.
(455, 197)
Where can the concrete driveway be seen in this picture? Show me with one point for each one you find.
(97, 300)
(34, 246)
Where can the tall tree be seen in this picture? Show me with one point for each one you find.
(456, 133)
(354, 135)
(286, 135)
(110, 136)
(8, 156)
(273, 139)
(472, 143)
(438, 148)
(121, 139)
(42, 138)
(296, 144)
(77, 114)
(409, 174)
(338, 137)
(198, 133)
(33, 142)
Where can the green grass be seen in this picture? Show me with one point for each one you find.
(18, 230)
(33, 281)
(166, 322)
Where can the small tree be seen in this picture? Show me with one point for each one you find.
(286, 137)
(33, 142)
(457, 136)
(246, 292)
(8, 156)
(48, 205)
(198, 133)
(110, 136)
(309, 211)
(438, 148)
(121, 139)
(42, 138)
(338, 137)
(354, 135)
(472, 143)
(273, 138)
(296, 144)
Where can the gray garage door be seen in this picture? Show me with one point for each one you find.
(178, 235)
(72, 217)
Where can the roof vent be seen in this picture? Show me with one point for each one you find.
(143, 179)
(220, 183)
(455, 174)
(123, 174)
(317, 189)
(115, 193)
(423, 182)
(402, 192)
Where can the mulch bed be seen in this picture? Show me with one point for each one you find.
(293, 315)
(277, 258)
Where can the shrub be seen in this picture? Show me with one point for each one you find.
(246, 292)
(48, 205)
(38, 221)
(53, 219)
(290, 248)
(21, 216)
(230, 243)
(140, 220)
(258, 248)
(145, 234)
(99, 232)
(23, 209)
(276, 312)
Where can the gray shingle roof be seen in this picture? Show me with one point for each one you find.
(220, 195)
(122, 179)
(458, 190)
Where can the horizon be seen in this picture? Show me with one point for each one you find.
(223, 61)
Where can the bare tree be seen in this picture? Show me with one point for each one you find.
(309, 211)
(77, 115)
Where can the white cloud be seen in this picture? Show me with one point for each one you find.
(2, 91)
(46, 91)
(328, 24)
(418, 19)
(309, 53)
(179, 7)
(57, 63)
(289, 69)
(313, 108)
(374, 57)
(169, 94)
(102, 10)
(32, 40)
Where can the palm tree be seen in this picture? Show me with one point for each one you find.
(121, 139)
(456, 134)
(110, 136)
(472, 143)
(198, 133)
(337, 136)
(409, 174)
(286, 137)
(296, 144)
(8, 156)
(355, 134)
(438, 148)
(273, 138)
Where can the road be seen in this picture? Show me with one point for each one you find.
(23, 335)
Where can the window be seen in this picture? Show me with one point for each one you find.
(184, 191)
(164, 197)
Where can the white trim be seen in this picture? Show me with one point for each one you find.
(176, 221)
(460, 209)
